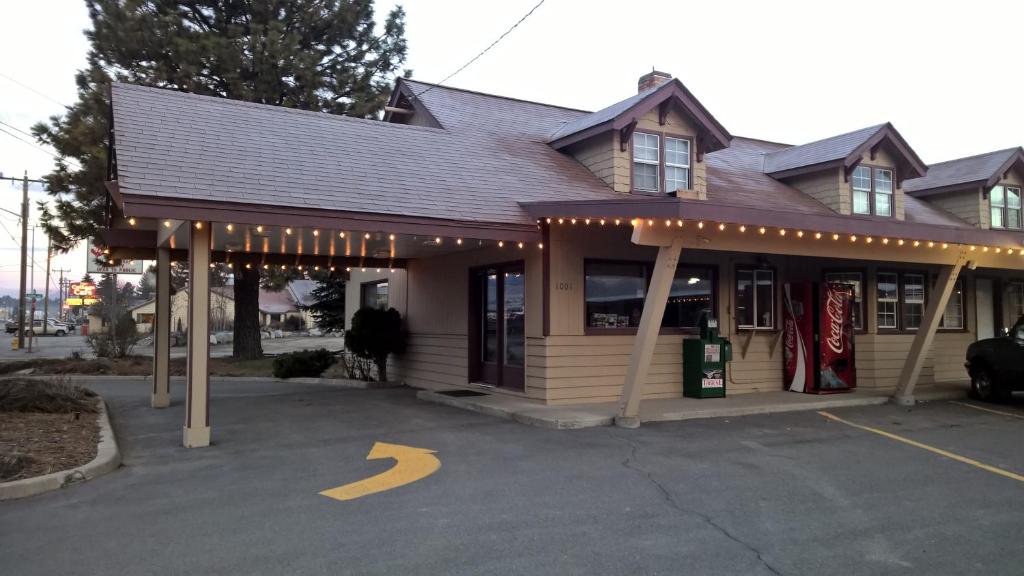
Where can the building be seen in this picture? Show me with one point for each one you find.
(275, 308)
(563, 255)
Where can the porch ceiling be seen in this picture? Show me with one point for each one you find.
(704, 216)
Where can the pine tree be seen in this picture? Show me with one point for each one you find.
(328, 310)
(323, 55)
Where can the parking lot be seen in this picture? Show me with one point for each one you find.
(795, 493)
(64, 346)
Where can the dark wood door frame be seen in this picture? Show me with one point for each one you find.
(496, 373)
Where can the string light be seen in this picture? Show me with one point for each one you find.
(167, 223)
(973, 248)
(131, 221)
(617, 221)
(288, 231)
(391, 236)
(458, 241)
(332, 268)
(501, 243)
(199, 225)
(944, 245)
(1009, 252)
(668, 222)
(540, 245)
(917, 243)
(700, 224)
(679, 222)
(520, 245)
(984, 249)
(316, 232)
(572, 221)
(869, 239)
(799, 233)
(931, 244)
(650, 222)
(602, 221)
(900, 241)
(743, 228)
(998, 250)
(260, 228)
(283, 267)
(437, 240)
(721, 227)
(366, 236)
(347, 269)
(316, 268)
(341, 235)
(885, 241)
(782, 231)
(248, 266)
(211, 265)
(587, 221)
(853, 238)
(762, 230)
(561, 221)
(835, 236)
(266, 266)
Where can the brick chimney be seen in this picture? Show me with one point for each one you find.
(651, 80)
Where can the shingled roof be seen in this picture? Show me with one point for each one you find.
(981, 170)
(842, 150)
(490, 155)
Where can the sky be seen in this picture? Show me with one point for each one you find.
(787, 71)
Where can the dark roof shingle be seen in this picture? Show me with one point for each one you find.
(962, 171)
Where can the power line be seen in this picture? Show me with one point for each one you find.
(36, 146)
(31, 89)
(484, 51)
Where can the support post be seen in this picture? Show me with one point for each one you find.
(926, 333)
(647, 333)
(197, 400)
(161, 397)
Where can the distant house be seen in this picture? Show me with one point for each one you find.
(274, 307)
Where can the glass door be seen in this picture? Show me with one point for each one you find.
(498, 325)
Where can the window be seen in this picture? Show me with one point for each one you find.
(374, 294)
(856, 281)
(901, 299)
(615, 293)
(913, 301)
(888, 299)
(755, 299)
(646, 161)
(677, 164)
(1015, 300)
(1005, 205)
(953, 316)
(872, 191)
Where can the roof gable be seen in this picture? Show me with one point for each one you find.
(844, 150)
(711, 134)
(984, 170)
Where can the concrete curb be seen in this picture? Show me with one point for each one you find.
(339, 382)
(522, 412)
(107, 459)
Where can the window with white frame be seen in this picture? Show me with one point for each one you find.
(862, 190)
(953, 316)
(855, 280)
(883, 192)
(913, 301)
(872, 191)
(677, 164)
(755, 299)
(887, 287)
(646, 161)
(1006, 209)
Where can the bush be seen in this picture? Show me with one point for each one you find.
(47, 396)
(116, 343)
(293, 324)
(303, 364)
(375, 334)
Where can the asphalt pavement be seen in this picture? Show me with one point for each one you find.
(794, 493)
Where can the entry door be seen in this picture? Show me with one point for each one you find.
(498, 336)
(986, 310)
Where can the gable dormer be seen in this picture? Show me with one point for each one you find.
(860, 173)
(984, 190)
(651, 143)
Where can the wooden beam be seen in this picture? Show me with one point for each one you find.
(926, 332)
(625, 134)
(650, 324)
(197, 383)
(161, 395)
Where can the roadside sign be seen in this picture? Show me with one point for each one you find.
(94, 267)
(32, 297)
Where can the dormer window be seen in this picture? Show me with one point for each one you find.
(1005, 203)
(872, 191)
(646, 162)
(649, 164)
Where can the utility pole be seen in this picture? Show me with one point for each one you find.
(24, 254)
(61, 296)
(32, 282)
(46, 291)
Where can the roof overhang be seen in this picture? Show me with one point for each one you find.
(711, 134)
(1016, 160)
(674, 209)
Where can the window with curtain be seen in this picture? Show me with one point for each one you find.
(887, 288)
(913, 301)
(953, 315)
(646, 161)
(677, 164)
(862, 190)
(755, 299)
(1006, 209)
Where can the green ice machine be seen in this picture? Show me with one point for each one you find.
(704, 361)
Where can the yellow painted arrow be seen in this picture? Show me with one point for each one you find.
(411, 464)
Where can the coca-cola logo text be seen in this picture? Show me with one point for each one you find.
(834, 311)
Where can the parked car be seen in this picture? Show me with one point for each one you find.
(11, 326)
(996, 365)
(53, 326)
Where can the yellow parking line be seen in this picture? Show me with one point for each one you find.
(983, 409)
(933, 449)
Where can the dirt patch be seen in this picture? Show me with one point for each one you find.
(33, 444)
(134, 366)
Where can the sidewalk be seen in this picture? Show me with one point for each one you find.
(671, 409)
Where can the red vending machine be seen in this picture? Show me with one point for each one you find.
(817, 334)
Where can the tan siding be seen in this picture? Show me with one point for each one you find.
(598, 155)
(967, 205)
(826, 187)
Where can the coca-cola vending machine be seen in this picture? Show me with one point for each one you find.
(817, 337)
